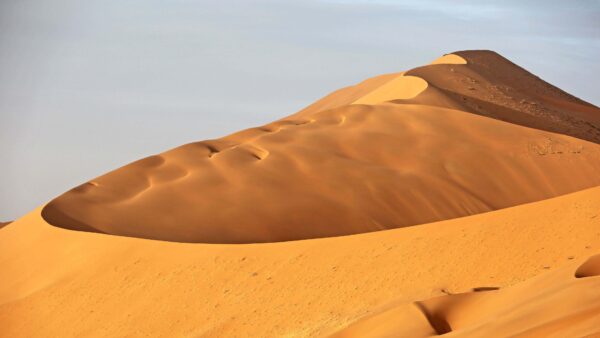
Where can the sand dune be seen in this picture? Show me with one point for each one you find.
(398, 88)
(3, 224)
(468, 191)
(58, 282)
(394, 151)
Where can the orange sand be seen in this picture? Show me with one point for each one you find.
(58, 282)
(482, 177)
(394, 151)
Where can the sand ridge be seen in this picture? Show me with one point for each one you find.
(492, 86)
(449, 59)
(398, 88)
(394, 151)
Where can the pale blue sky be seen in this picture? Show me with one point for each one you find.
(87, 86)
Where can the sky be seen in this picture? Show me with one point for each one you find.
(89, 86)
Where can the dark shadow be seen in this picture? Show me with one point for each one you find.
(437, 321)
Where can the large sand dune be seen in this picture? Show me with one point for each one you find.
(394, 151)
(482, 179)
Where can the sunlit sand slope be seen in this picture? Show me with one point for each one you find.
(62, 283)
(561, 303)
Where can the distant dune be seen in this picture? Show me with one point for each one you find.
(3, 224)
(397, 150)
(457, 199)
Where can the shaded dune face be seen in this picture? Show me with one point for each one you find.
(492, 86)
(591, 268)
(394, 151)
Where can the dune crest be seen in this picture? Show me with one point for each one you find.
(551, 304)
(449, 59)
(398, 88)
(394, 151)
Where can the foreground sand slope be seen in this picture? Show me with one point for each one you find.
(394, 151)
(561, 303)
(62, 283)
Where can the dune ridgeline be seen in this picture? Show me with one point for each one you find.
(460, 198)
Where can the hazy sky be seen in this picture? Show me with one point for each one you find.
(88, 86)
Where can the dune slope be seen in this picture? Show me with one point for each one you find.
(554, 304)
(58, 282)
(492, 86)
(394, 151)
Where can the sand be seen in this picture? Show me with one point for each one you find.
(398, 88)
(549, 305)
(58, 282)
(395, 151)
(411, 214)
(451, 59)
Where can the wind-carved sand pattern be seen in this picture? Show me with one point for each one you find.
(467, 191)
(395, 151)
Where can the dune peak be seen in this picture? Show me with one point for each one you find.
(449, 59)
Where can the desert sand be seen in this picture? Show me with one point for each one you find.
(408, 205)
(58, 282)
(393, 151)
